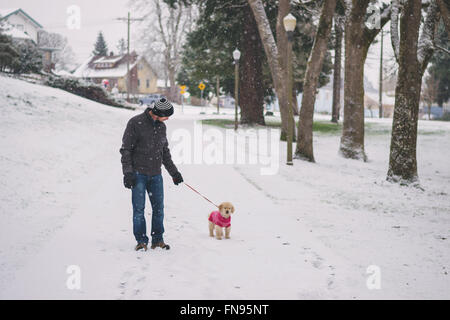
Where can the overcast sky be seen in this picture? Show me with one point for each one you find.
(95, 15)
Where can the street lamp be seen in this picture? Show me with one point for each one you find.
(289, 25)
(236, 57)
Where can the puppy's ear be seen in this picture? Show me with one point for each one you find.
(220, 206)
(232, 209)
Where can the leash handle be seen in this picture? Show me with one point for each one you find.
(201, 195)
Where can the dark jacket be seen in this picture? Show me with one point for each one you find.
(145, 146)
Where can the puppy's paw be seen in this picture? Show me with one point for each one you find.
(211, 235)
(219, 238)
(227, 237)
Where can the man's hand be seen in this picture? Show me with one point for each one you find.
(129, 180)
(177, 178)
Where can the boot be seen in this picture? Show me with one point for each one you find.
(141, 246)
(160, 245)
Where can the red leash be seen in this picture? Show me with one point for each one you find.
(201, 195)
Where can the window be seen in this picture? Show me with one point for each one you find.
(139, 83)
(20, 27)
(148, 83)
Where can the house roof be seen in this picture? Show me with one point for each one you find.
(5, 13)
(85, 71)
(110, 59)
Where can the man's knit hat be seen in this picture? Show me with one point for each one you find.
(163, 108)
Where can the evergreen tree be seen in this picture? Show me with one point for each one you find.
(8, 53)
(220, 29)
(101, 48)
(29, 60)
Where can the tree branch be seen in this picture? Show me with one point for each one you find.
(161, 28)
(426, 42)
(395, 40)
(385, 16)
(442, 49)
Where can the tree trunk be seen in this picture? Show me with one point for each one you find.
(314, 66)
(352, 140)
(295, 105)
(413, 57)
(173, 94)
(402, 161)
(284, 7)
(272, 54)
(251, 93)
(358, 38)
(380, 83)
(337, 71)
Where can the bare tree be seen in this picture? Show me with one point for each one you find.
(162, 34)
(413, 55)
(63, 56)
(314, 66)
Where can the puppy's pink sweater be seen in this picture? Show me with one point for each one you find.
(216, 218)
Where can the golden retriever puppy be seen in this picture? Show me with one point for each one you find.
(221, 219)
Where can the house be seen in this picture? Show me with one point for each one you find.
(111, 71)
(22, 22)
(22, 27)
(324, 100)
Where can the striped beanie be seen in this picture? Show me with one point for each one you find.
(163, 108)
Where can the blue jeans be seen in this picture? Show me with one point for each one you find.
(153, 185)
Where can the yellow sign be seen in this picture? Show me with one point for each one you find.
(182, 92)
(201, 86)
(183, 88)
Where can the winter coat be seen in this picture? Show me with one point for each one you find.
(216, 218)
(145, 146)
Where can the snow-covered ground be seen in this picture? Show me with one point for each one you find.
(311, 231)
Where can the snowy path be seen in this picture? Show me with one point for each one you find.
(309, 232)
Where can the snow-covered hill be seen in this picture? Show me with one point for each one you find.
(310, 231)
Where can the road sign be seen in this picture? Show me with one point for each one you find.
(182, 89)
(201, 86)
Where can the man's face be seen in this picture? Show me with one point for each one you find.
(156, 118)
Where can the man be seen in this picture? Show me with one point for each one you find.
(144, 149)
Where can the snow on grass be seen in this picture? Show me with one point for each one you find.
(308, 232)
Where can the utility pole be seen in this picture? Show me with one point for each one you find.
(128, 20)
(218, 94)
(380, 112)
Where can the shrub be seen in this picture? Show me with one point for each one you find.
(445, 116)
(29, 60)
(89, 91)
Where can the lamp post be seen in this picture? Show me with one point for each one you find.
(289, 25)
(236, 57)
